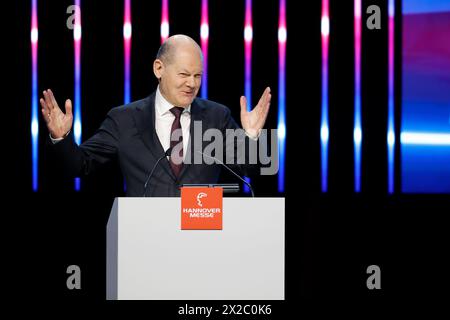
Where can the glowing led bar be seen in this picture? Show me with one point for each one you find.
(391, 126)
(164, 20)
(204, 37)
(282, 37)
(248, 38)
(34, 95)
(324, 131)
(77, 80)
(357, 130)
(127, 30)
(127, 50)
(422, 138)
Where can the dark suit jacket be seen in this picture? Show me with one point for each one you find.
(128, 134)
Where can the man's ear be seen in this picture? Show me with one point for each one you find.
(158, 68)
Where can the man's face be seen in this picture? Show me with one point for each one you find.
(181, 77)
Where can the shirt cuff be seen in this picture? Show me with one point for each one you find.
(253, 137)
(55, 141)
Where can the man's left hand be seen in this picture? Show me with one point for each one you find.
(253, 121)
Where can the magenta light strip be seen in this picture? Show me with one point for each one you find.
(164, 20)
(391, 117)
(127, 31)
(127, 50)
(248, 38)
(282, 37)
(324, 128)
(357, 130)
(34, 95)
(204, 37)
(77, 80)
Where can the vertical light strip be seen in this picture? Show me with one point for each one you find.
(324, 129)
(127, 50)
(248, 39)
(357, 130)
(127, 31)
(77, 80)
(204, 37)
(282, 37)
(34, 95)
(391, 126)
(164, 20)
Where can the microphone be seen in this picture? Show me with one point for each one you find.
(229, 169)
(166, 154)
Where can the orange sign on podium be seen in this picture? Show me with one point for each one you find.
(201, 208)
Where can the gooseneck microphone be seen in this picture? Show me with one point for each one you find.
(166, 154)
(229, 169)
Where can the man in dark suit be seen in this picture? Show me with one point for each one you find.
(139, 133)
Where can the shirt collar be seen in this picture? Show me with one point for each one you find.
(163, 106)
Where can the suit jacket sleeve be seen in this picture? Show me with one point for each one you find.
(97, 150)
(243, 142)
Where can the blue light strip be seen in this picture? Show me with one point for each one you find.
(34, 96)
(282, 37)
(77, 81)
(357, 130)
(324, 131)
(391, 126)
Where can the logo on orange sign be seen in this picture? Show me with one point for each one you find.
(201, 208)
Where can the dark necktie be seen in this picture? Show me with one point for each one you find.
(176, 168)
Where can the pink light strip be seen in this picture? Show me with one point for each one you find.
(282, 38)
(391, 117)
(164, 20)
(127, 30)
(34, 95)
(357, 130)
(77, 80)
(324, 127)
(204, 37)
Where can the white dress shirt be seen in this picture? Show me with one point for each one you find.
(164, 119)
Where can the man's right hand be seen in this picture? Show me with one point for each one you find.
(58, 122)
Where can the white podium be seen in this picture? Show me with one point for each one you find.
(149, 257)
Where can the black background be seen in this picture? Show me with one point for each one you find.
(330, 238)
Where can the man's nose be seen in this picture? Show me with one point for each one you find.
(190, 82)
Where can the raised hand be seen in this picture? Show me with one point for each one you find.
(58, 122)
(253, 121)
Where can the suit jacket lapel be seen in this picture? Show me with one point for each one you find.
(145, 122)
